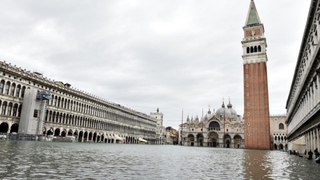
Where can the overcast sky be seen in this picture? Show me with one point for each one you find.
(148, 54)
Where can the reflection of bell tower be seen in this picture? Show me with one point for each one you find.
(256, 100)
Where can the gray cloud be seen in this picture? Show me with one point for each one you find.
(146, 54)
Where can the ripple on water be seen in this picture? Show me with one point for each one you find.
(47, 160)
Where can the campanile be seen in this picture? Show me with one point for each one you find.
(256, 98)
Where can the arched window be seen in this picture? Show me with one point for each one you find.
(248, 50)
(15, 109)
(18, 91)
(6, 88)
(255, 49)
(214, 126)
(281, 126)
(251, 49)
(22, 91)
(1, 86)
(259, 48)
(13, 86)
(9, 109)
(4, 108)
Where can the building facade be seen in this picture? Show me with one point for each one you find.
(160, 133)
(223, 128)
(278, 131)
(33, 105)
(171, 136)
(256, 98)
(303, 103)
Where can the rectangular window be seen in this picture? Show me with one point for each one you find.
(35, 113)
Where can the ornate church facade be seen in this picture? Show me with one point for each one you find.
(223, 128)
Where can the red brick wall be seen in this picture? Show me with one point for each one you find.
(256, 106)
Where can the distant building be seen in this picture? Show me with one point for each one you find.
(160, 131)
(171, 136)
(223, 128)
(256, 98)
(278, 131)
(33, 105)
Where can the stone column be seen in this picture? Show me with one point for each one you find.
(317, 138)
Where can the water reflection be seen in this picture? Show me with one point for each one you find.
(47, 160)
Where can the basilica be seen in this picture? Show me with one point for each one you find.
(221, 128)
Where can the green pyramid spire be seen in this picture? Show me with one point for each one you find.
(253, 17)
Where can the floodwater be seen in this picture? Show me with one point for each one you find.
(54, 160)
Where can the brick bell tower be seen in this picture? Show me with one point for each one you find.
(256, 98)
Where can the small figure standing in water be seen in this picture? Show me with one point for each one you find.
(316, 153)
(310, 153)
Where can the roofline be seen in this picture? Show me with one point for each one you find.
(308, 25)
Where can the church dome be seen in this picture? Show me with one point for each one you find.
(233, 112)
(223, 112)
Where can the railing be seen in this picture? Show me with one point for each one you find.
(213, 129)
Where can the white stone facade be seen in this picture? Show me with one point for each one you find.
(278, 131)
(69, 112)
(160, 133)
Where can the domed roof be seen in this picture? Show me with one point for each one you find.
(224, 112)
(233, 112)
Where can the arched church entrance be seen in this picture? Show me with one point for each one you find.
(191, 140)
(200, 139)
(226, 141)
(213, 139)
(237, 141)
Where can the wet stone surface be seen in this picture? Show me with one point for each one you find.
(53, 160)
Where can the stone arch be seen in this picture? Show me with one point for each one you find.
(191, 139)
(80, 136)
(102, 138)
(4, 127)
(227, 140)
(213, 139)
(57, 132)
(200, 139)
(14, 128)
(75, 134)
(90, 136)
(70, 133)
(64, 133)
(214, 126)
(275, 146)
(281, 146)
(85, 136)
(237, 139)
(50, 132)
(95, 136)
